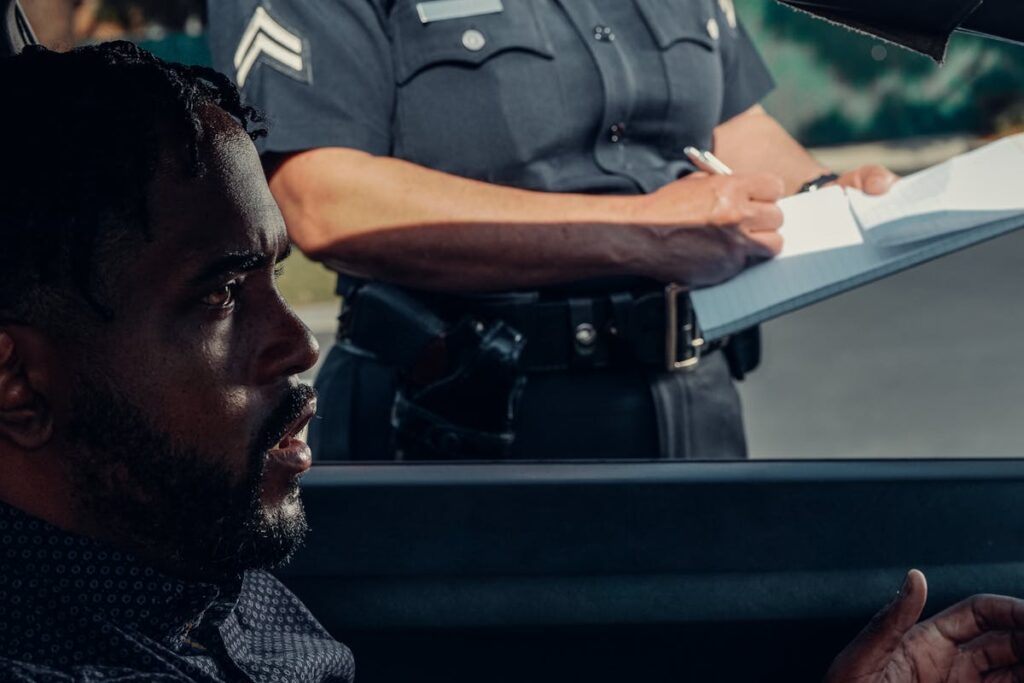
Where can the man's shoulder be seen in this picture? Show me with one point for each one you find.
(260, 588)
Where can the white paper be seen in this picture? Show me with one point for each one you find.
(967, 191)
(817, 221)
(831, 237)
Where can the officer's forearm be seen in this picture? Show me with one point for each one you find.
(755, 142)
(391, 220)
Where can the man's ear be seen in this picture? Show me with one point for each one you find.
(26, 418)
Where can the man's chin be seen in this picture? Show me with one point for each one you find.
(283, 511)
(279, 532)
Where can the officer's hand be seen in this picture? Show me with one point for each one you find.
(979, 640)
(871, 179)
(746, 203)
(711, 227)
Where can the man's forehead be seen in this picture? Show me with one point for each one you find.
(204, 232)
(214, 238)
(226, 209)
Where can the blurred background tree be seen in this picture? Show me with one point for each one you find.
(837, 86)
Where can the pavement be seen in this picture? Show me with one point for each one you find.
(924, 364)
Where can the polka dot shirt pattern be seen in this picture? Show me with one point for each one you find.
(72, 609)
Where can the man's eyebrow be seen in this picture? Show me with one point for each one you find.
(240, 262)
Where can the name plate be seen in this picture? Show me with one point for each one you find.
(441, 10)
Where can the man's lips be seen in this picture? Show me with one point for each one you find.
(291, 456)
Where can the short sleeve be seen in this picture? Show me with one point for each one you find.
(747, 79)
(320, 70)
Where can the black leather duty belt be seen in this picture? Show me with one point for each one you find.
(656, 329)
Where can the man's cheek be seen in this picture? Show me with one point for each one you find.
(203, 413)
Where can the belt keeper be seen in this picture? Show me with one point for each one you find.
(691, 339)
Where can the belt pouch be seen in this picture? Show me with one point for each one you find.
(458, 385)
(391, 324)
(743, 352)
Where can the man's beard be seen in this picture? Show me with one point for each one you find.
(173, 504)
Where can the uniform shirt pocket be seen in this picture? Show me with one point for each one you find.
(467, 41)
(689, 35)
(476, 96)
(675, 21)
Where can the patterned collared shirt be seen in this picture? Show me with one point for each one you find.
(72, 609)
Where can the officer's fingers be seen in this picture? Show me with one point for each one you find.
(771, 242)
(762, 217)
(876, 179)
(765, 187)
(871, 179)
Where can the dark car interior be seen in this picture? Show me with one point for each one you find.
(747, 571)
(641, 572)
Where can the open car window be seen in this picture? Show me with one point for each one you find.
(919, 365)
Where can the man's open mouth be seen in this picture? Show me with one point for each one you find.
(291, 454)
(295, 429)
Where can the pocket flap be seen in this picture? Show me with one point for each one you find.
(672, 21)
(463, 40)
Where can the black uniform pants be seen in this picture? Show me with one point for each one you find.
(595, 414)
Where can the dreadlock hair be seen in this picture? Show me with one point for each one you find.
(83, 134)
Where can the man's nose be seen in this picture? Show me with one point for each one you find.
(289, 349)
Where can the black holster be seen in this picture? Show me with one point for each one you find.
(459, 382)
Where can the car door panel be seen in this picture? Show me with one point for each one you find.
(587, 568)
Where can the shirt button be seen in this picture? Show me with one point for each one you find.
(603, 34)
(616, 132)
(473, 40)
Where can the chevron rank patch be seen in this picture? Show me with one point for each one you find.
(266, 41)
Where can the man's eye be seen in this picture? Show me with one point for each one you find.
(222, 297)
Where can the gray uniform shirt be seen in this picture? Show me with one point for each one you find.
(593, 96)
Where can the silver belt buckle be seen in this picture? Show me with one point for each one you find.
(680, 354)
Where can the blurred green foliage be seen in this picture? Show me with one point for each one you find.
(837, 86)
(179, 47)
(305, 282)
(170, 14)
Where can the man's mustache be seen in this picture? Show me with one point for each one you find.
(291, 406)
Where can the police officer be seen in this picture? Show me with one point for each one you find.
(502, 186)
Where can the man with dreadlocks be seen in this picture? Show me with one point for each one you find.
(149, 406)
(149, 409)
